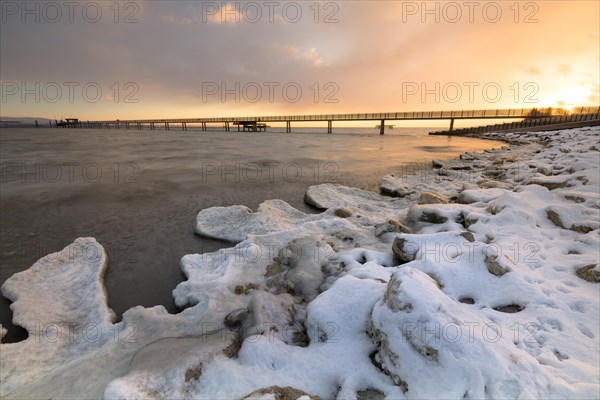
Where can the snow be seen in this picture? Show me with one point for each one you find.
(478, 280)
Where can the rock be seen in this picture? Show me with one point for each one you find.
(370, 394)
(497, 265)
(470, 221)
(576, 199)
(479, 195)
(401, 256)
(551, 182)
(555, 218)
(510, 308)
(468, 235)
(391, 225)
(432, 198)
(235, 317)
(297, 268)
(279, 393)
(343, 213)
(394, 186)
(438, 213)
(245, 290)
(271, 315)
(590, 273)
(575, 218)
(433, 218)
(235, 223)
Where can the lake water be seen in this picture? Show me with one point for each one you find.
(138, 191)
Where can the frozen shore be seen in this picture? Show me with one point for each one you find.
(477, 279)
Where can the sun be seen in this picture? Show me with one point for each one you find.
(571, 97)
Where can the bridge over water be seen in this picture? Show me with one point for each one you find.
(260, 123)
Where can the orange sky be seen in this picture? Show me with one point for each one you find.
(185, 59)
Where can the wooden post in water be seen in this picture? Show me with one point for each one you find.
(451, 124)
(329, 127)
(288, 126)
(382, 127)
(167, 126)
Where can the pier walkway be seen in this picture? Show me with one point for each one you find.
(260, 123)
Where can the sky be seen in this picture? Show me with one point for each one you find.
(106, 60)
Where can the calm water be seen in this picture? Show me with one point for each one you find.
(138, 192)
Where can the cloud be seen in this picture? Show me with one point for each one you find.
(369, 53)
(563, 69)
(531, 70)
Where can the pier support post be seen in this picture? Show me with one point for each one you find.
(288, 126)
(382, 127)
(329, 127)
(184, 126)
(204, 126)
(167, 128)
(151, 126)
(127, 126)
(451, 124)
(36, 124)
(226, 127)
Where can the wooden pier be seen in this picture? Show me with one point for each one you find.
(255, 124)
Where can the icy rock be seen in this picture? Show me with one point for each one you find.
(343, 213)
(395, 186)
(236, 317)
(400, 255)
(550, 182)
(432, 198)
(590, 273)
(450, 164)
(498, 264)
(408, 248)
(279, 393)
(391, 225)
(235, 223)
(169, 368)
(496, 185)
(438, 214)
(575, 217)
(370, 394)
(3, 331)
(329, 195)
(82, 298)
(298, 267)
(408, 327)
(273, 315)
(474, 196)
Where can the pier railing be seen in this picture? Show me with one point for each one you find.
(410, 115)
(256, 122)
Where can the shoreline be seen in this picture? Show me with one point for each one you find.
(353, 274)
